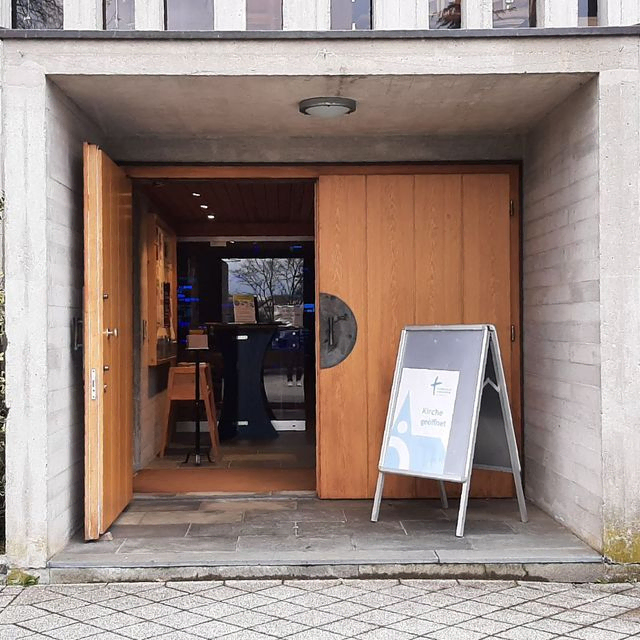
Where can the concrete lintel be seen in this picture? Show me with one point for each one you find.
(619, 124)
(25, 227)
(229, 15)
(477, 15)
(557, 13)
(618, 12)
(83, 14)
(149, 15)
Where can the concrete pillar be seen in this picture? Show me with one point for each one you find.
(400, 14)
(613, 13)
(5, 14)
(619, 204)
(149, 15)
(557, 13)
(230, 15)
(306, 15)
(477, 14)
(83, 15)
(25, 226)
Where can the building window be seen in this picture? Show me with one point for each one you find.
(514, 14)
(445, 14)
(588, 13)
(349, 15)
(119, 15)
(37, 14)
(188, 15)
(264, 15)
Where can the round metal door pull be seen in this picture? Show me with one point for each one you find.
(338, 330)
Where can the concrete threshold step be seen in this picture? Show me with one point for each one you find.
(574, 571)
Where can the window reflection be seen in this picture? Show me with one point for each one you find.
(119, 15)
(349, 15)
(264, 15)
(588, 13)
(189, 15)
(445, 14)
(514, 14)
(37, 14)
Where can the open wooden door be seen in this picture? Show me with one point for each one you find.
(108, 341)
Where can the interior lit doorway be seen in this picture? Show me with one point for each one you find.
(220, 242)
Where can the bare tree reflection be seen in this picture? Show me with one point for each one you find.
(37, 14)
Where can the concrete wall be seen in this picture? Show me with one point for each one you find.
(562, 394)
(67, 129)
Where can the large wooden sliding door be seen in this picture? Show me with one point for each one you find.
(400, 250)
(108, 341)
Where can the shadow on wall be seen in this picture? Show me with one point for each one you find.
(3, 406)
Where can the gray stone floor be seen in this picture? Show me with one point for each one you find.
(293, 531)
(322, 610)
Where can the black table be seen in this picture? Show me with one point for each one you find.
(245, 409)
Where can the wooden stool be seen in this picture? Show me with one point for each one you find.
(182, 386)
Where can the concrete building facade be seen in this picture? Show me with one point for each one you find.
(560, 99)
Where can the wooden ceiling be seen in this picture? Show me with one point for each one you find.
(240, 207)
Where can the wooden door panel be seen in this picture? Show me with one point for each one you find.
(391, 289)
(487, 282)
(342, 390)
(438, 241)
(108, 355)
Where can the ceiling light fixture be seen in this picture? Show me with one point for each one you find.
(327, 107)
(196, 195)
(204, 206)
(211, 216)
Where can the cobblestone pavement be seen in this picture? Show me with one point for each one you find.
(322, 610)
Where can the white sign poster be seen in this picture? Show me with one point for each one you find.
(419, 434)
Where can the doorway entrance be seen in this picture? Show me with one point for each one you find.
(396, 245)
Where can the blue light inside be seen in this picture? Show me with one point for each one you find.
(309, 307)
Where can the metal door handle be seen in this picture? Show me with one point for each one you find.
(111, 332)
(331, 332)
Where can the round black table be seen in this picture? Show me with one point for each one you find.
(245, 410)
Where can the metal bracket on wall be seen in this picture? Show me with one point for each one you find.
(77, 326)
(338, 330)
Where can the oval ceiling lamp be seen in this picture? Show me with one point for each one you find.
(327, 107)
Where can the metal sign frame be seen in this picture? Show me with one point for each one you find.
(490, 349)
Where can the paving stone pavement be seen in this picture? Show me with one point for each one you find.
(322, 610)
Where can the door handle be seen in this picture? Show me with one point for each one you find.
(332, 341)
(111, 332)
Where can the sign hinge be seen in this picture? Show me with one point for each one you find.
(512, 208)
(513, 333)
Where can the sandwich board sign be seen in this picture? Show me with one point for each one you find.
(449, 412)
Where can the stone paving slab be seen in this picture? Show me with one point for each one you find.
(322, 610)
(303, 532)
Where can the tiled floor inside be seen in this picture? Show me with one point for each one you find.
(277, 529)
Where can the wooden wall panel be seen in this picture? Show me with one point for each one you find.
(487, 282)
(343, 459)
(391, 290)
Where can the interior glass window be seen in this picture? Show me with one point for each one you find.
(514, 14)
(189, 15)
(37, 14)
(264, 15)
(119, 15)
(445, 14)
(588, 13)
(350, 15)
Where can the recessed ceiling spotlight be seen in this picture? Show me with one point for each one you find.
(204, 206)
(196, 195)
(327, 107)
(211, 216)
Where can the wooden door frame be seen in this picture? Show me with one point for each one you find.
(315, 171)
